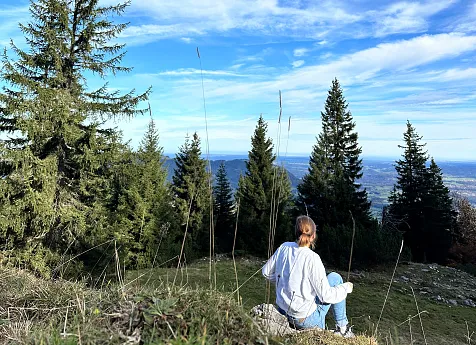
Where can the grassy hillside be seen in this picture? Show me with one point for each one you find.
(436, 290)
(35, 311)
(148, 309)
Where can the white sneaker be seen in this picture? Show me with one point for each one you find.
(347, 332)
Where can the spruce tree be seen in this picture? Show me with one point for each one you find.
(53, 158)
(158, 220)
(264, 196)
(191, 192)
(331, 187)
(407, 198)
(440, 217)
(142, 210)
(223, 210)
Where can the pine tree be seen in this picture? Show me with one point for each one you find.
(190, 188)
(331, 189)
(407, 198)
(223, 210)
(54, 156)
(262, 183)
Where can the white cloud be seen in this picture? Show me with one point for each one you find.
(407, 17)
(328, 19)
(300, 52)
(379, 135)
(453, 74)
(360, 67)
(298, 63)
(194, 71)
(263, 17)
(465, 22)
(237, 66)
(186, 39)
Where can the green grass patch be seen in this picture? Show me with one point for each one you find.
(442, 323)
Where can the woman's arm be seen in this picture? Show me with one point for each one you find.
(269, 268)
(324, 291)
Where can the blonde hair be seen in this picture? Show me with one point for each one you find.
(305, 231)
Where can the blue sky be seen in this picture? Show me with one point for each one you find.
(396, 60)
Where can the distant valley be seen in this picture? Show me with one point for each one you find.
(379, 175)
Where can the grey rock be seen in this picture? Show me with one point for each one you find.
(272, 322)
(452, 301)
(469, 303)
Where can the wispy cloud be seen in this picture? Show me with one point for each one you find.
(396, 60)
(193, 71)
(300, 52)
(407, 17)
(328, 20)
(186, 39)
(298, 63)
(465, 21)
(359, 67)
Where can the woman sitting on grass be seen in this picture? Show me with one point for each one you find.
(303, 291)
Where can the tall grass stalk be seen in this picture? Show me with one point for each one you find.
(184, 238)
(388, 291)
(274, 207)
(419, 315)
(212, 229)
(469, 335)
(233, 250)
(352, 244)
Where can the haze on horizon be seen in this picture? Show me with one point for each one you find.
(396, 60)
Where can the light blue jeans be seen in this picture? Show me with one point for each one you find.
(318, 318)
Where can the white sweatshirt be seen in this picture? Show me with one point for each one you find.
(300, 277)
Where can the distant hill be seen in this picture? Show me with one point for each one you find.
(234, 168)
(379, 175)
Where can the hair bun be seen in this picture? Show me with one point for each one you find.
(305, 228)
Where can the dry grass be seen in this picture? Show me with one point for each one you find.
(326, 338)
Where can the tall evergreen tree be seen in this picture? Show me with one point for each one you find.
(260, 190)
(331, 187)
(406, 200)
(440, 217)
(141, 209)
(223, 210)
(420, 204)
(158, 219)
(53, 157)
(190, 188)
